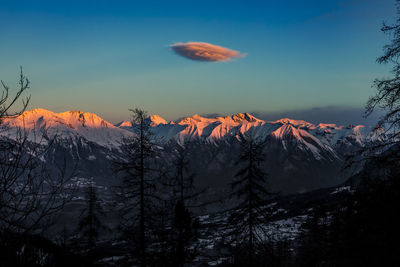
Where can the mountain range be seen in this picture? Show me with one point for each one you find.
(299, 156)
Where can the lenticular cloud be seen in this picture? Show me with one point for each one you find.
(204, 51)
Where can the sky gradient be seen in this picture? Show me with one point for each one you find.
(108, 56)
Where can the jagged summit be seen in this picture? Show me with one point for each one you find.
(295, 122)
(290, 145)
(69, 124)
(194, 118)
(124, 124)
(287, 130)
(242, 118)
(195, 127)
(153, 120)
(239, 117)
(41, 117)
(198, 117)
(231, 119)
(85, 119)
(156, 120)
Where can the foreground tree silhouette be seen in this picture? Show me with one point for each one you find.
(361, 229)
(184, 226)
(7, 102)
(388, 94)
(30, 194)
(90, 220)
(137, 194)
(248, 219)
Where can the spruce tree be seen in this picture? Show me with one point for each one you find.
(387, 98)
(184, 224)
(137, 193)
(249, 217)
(91, 219)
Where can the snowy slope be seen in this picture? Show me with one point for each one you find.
(299, 155)
(319, 140)
(196, 128)
(208, 129)
(70, 124)
(306, 136)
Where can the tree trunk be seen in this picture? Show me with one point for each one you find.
(142, 219)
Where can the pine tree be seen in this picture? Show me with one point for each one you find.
(184, 225)
(313, 240)
(387, 98)
(248, 218)
(137, 193)
(90, 220)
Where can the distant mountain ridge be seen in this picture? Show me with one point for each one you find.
(299, 155)
(208, 129)
(95, 129)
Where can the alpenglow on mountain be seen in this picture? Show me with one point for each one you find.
(300, 156)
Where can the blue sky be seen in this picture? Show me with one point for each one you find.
(107, 56)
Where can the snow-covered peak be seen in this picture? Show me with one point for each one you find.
(194, 119)
(153, 120)
(196, 127)
(156, 120)
(329, 126)
(287, 130)
(38, 111)
(84, 119)
(297, 123)
(228, 120)
(69, 124)
(30, 118)
(209, 129)
(197, 117)
(34, 118)
(240, 117)
(124, 124)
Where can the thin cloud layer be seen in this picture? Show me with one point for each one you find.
(205, 52)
